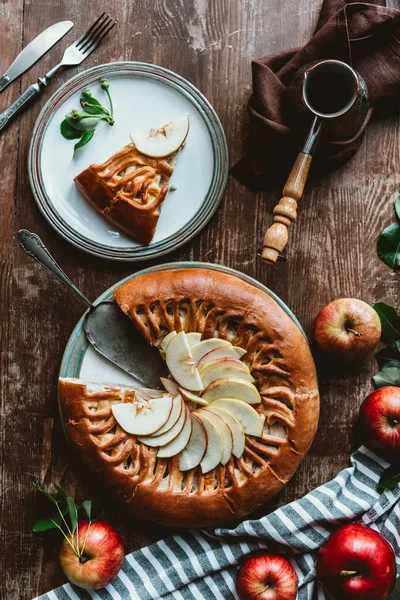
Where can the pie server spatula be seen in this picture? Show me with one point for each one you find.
(107, 328)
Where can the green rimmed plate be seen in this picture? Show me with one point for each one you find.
(144, 96)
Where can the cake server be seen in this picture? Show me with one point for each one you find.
(35, 50)
(107, 328)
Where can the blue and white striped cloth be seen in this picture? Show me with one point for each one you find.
(203, 564)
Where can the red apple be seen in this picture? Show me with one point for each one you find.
(266, 577)
(356, 563)
(101, 557)
(347, 328)
(380, 418)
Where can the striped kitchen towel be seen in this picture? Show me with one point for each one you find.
(203, 564)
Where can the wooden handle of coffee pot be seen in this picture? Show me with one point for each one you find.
(276, 236)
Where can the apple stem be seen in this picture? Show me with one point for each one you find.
(354, 332)
(348, 573)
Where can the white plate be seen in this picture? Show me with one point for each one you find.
(144, 96)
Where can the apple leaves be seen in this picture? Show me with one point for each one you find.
(395, 595)
(390, 478)
(388, 246)
(388, 376)
(388, 359)
(390, 321)
(66, 518)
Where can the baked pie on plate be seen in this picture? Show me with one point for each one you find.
(145, 97)
(231, 423)
(130, 187)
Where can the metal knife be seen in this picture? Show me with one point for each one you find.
(35, 50)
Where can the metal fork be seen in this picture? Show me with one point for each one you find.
(73, 55)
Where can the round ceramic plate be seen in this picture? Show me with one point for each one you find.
(144, 96)
(82, 361)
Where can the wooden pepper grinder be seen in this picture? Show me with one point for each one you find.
(337, 97)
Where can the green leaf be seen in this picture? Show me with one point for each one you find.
(389, 362)
(93, 107)
(46, 523)
(85, 123)
(90, 100)
(96, 110)
(48, 496)
(87, 136)
(390, 321)
(388, 246)
(73, 513)
(389, 356)
(62, 493)
(388, 376)
(397, 206)
(49, 522)
(390, 478)
(395, 595)
(87, 507)
(69, 132)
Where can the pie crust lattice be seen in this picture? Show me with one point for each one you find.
(128, 189)
(216, 305)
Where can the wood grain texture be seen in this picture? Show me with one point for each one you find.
(331, 249)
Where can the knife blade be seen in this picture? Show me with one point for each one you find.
(35, 50)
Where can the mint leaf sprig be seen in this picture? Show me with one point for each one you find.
(81, 123)
(66, 518)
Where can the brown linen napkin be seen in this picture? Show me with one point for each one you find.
(364, 34)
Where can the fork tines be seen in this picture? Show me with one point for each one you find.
(94, 35)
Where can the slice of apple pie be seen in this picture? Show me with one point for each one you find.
(129, 188)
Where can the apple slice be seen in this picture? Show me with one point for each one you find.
(249, 418)
(234, 425)
(170, 434)
(141, 419)
(223, 361)
(215, 445)
(146, 394)
(166, 340)
(193, 338)
(190, 397)
(170, 385)
(180, 441)
(229, 387)
(205, 346)
(221, 352)
(181, 364)
(224, 430)
(226, 368)
(191, 456)
(178, 407)
(164, 141)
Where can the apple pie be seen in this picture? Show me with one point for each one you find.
(237, 414)
(129, 188)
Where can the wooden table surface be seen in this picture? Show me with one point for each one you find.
(332, 248)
